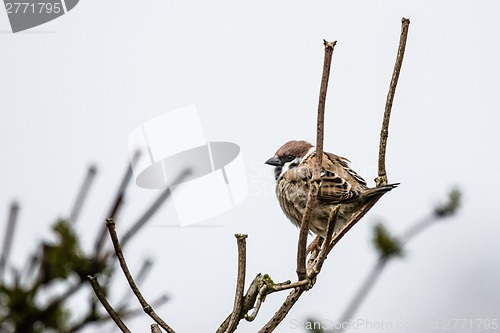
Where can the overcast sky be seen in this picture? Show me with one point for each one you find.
(72, 90)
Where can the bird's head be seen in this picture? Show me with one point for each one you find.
(289, 156)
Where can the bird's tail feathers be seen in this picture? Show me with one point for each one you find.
(379, 190)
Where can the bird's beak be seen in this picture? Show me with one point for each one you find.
(274, 161)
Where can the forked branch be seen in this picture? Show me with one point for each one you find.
(317, 258)
(110, 223)
(262, 285)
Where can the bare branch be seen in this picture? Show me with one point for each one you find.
(119, 254)
(82, 194)
(354, 219)
(317, 258)
(9, 236)
(240, 285)
(316, 178)
(278, 317)
(112, 313)
(248, 301)
(332, 219)
(258, 302)
(155, 328)
(141, 276)
(289, 285)
(381, 180)
(124, 313)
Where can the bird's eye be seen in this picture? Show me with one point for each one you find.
(289, 158)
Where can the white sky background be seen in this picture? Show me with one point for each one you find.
(73, 89)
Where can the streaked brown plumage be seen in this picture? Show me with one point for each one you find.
(294, 164)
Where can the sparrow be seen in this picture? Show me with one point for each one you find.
(294, 163)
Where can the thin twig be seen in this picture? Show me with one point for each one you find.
(316, 177)
(119, 254)
(358, 215)
(332, 219)
(258, 302)
(82, 194)
(240, 284)
(381, 180)
(278, 317)
(133, 312)
(155, 328)
(248, 302)
(9, 236)
(269, 289)
(280, 287)
(315, 246)
(112, 313)
(126, 314)
(141, 276)
(122, 313)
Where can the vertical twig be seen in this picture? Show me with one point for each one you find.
(381, 180)
(316, 177)
(240, 283)
(110, 224)
(9, 235)
(102, 298)
(314, 263)
(82, 194)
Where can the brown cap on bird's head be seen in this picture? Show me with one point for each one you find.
(294, 148)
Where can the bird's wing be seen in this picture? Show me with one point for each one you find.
(334, 188)
(344, 164)
(339, 183)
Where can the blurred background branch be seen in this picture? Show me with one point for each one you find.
(390, 247)
(62, 265)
